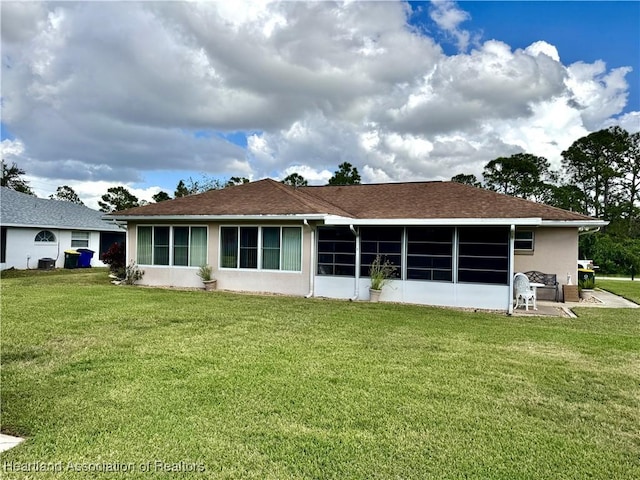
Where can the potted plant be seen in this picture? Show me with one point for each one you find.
(380, 273)
(205, 272)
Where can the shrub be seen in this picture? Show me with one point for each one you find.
(115, 258)
(380, 272)
(132, 273)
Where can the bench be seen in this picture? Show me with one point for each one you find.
(549, 280)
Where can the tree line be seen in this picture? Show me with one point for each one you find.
(600, 177)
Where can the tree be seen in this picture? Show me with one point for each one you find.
(469, 179)
(593, 163)
(233, 181)
(521, 175)
(181, 190)
(66, 194)
(12, 178)
(118, 198)
(346, 174)
(295, 180)
(161, 196)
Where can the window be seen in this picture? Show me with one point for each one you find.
(336, 251)
(386, 242)
(483, 255)
(430, 253)
(248, 247)
(267, 248)
(188, 246)
(289, 257)
(524, 240)
(229, 247)
(80, 239)
(45, 236)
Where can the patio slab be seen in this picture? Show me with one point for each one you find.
(7, 442)
(602, 299)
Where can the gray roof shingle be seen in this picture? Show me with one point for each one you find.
(21, 210)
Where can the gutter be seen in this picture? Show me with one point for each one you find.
(214, 218)
(512, 238)
(588, 231)
(356, 286)
(312, 259)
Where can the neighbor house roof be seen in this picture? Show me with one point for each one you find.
(391, 202)
(22, 210)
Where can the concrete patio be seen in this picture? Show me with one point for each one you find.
(602, 299)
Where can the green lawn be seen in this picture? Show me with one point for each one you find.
(268, 387)
(624, 288)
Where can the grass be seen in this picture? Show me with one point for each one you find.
(266, 387)
(625, 288)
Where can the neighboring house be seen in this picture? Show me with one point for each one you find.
(35, 228)
(454, 245)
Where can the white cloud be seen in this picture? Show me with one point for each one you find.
(448, 16)
(97, 93)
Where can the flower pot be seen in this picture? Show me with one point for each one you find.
(210, 285)
(586, 293)
(374, 295)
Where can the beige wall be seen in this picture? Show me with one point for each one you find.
(250, 280)
(555, 251)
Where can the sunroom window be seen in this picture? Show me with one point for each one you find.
(336, 251)
(383, 241)
(430, 253)
(483, 255)
(179, 246)
(267, 248)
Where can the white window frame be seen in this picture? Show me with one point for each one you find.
(260, 248)
(45, 242)
(171, 245)
(80, 242)
(532, 240)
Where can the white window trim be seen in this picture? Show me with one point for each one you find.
(171, 245)
(260, 247)
(525, 251)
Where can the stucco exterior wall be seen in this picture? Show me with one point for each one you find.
(555, 251)
(246, 280)
(24, 252)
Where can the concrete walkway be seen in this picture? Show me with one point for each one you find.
(564, 309)
(7, 442)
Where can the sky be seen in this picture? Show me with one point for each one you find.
(144, 94)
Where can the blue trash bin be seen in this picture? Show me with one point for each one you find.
(84, 261)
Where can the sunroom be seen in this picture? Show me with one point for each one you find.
(449, 265)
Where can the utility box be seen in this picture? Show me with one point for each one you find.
(570, 293)
(46, 264)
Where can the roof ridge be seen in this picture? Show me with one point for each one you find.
(310, 201)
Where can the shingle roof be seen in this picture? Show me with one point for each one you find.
(19, 209)
(414, 200)
(264, 197)
(435, 200)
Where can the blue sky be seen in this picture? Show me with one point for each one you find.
(142, 94)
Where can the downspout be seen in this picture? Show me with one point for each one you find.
(512, 236)
(312, 261)
(356, 286)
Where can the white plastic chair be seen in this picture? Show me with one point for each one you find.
(523, 291)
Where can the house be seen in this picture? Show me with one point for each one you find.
(36, 228)
(453, 244)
